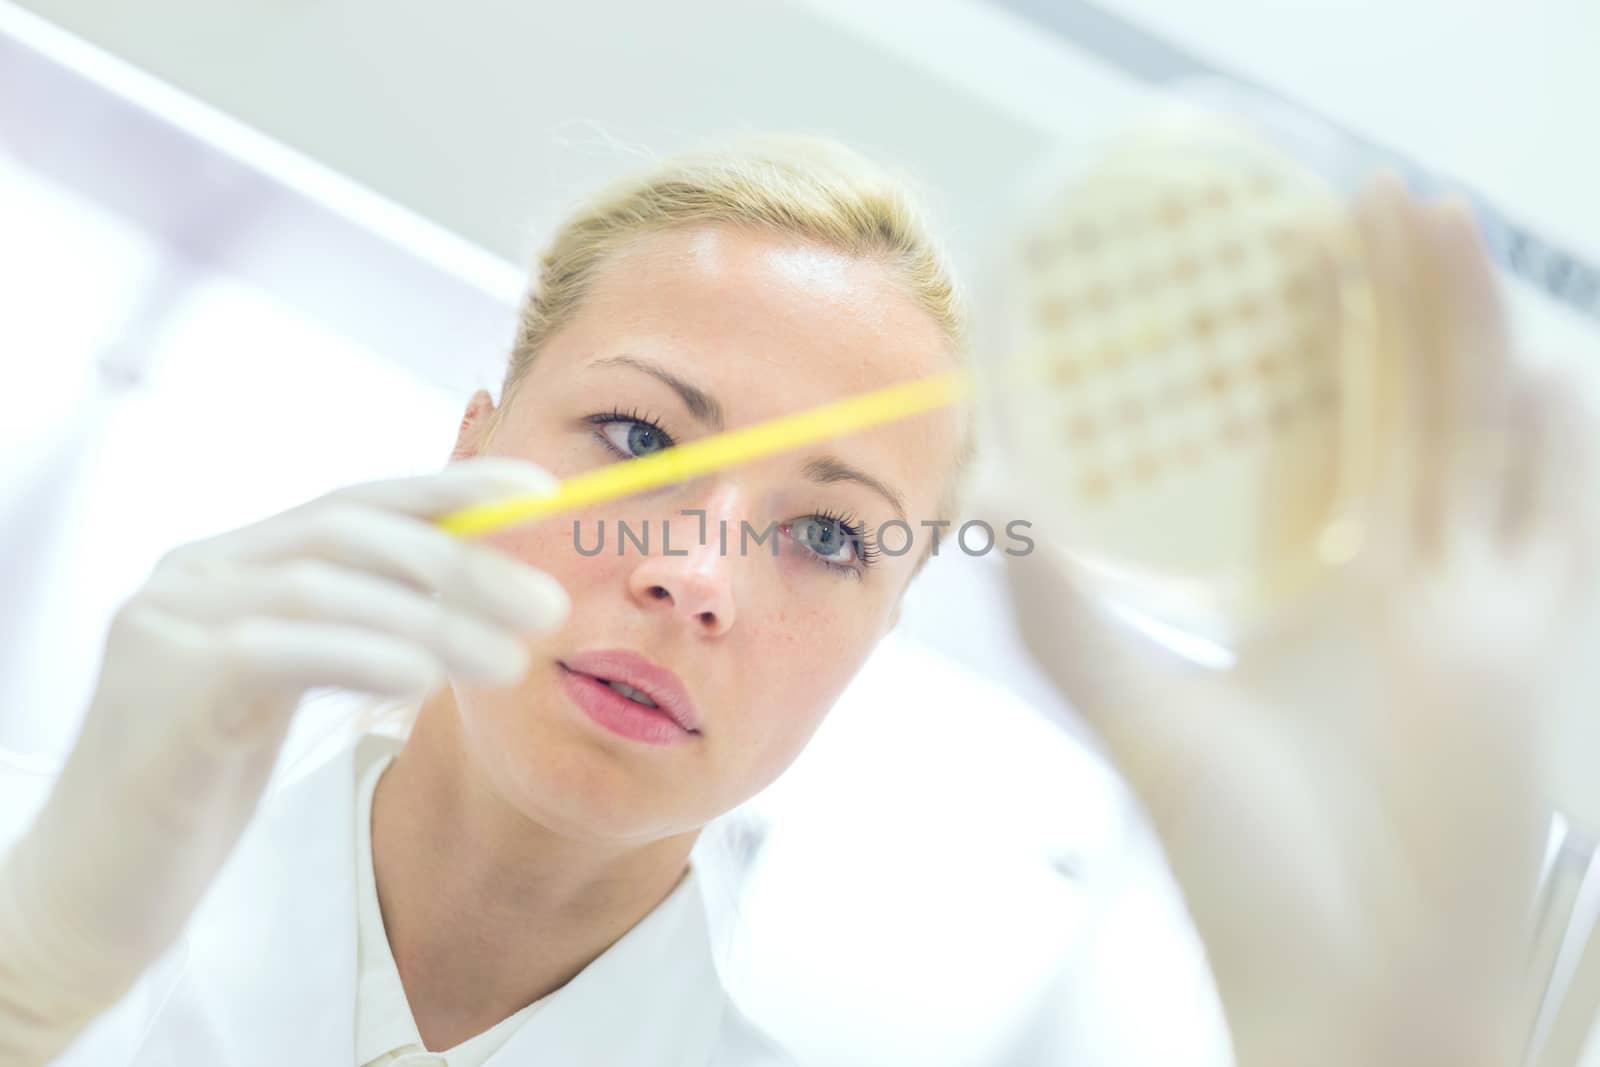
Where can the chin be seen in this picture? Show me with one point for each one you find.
(576, 788)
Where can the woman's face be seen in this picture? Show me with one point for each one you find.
(742, 650)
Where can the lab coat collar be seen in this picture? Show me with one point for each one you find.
(653, 997)
(272, 962)
(272, 950)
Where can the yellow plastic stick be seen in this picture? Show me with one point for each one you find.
(683, 462)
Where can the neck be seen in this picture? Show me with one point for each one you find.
(486, 910)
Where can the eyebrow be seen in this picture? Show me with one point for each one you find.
(702, 405)
(826, 470)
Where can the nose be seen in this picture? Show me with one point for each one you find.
(695, 581)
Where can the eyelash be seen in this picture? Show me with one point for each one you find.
(866, 551)
(634, 415)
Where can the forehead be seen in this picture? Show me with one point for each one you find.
(781, 301)
(770, 324)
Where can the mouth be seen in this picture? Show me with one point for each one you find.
(638, 696)
(630, 696)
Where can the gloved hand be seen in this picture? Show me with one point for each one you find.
(203, 669)
(1353, 810)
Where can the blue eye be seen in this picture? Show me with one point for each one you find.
(829, 538)
(635, 438)
(835, 542)
(631, 436)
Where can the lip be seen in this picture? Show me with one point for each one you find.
(673, 719)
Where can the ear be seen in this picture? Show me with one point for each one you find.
(474, 431)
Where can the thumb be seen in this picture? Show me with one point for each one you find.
(1113, 672)
(1168, 721)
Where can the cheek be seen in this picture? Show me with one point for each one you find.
(798, 662)
(553, 546)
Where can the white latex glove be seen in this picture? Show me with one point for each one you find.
(1353, 810)
(203, 668)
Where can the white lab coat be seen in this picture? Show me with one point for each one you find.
(266, 973)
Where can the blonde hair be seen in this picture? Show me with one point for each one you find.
(814, 189)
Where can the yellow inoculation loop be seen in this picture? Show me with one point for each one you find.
(682, 463)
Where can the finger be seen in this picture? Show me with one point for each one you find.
(1525, 493)
(1563, 492)
(1489, 433)
(472, 649)
(1574, 495)
(1113, 676)
(461, 484)
(1473, 324)
(281, 656)
(475, 578)
(1387, 219)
